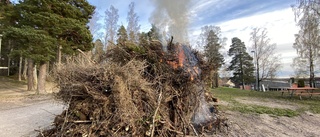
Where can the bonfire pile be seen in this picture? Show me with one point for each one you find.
(135, 91)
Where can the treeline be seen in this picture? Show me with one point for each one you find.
(40, 32)
(38, 35)
(209, 43)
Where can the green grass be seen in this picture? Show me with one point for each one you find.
(230, 94)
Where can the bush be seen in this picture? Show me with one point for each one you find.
(301, 83)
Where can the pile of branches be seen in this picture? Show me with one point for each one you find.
(132, 91)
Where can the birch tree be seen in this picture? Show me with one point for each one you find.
(111, 27)
(307, 13)
(267, 62)
(95, 26)
(133, 24)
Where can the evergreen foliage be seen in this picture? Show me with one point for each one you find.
(98, 50)
(212, 53)
(122, 35)
(214, 57)
(154, 33)
(39, 29)
(241, 63)
(43, 25)
(301, 83)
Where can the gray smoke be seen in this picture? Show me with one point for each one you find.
(171, 17)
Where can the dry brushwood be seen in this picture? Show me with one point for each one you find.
(135, 92)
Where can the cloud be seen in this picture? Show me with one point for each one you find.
(204, 11)
(236, 18)
(281, 29)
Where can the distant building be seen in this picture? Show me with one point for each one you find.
(276, 84)
(284, 83)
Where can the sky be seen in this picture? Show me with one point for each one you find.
(236, 18)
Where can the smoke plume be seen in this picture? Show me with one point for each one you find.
(171, 17)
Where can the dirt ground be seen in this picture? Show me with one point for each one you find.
(14, 100)
(26, 117)
(264, 125)
(24, 114)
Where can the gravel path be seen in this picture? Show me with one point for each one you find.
(20, 118)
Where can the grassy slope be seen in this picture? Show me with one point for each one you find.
(10, 83)
(230, 94)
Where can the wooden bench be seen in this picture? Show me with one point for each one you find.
(302, 91)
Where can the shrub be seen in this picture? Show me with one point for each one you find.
(301, 83)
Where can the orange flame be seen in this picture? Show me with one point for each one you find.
(179, 63)
(181, 56)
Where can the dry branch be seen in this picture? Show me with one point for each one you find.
(134, 92)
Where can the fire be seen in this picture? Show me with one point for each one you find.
(181, 56)
(184, 60)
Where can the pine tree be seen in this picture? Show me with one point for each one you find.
(122, 35)
(241, 63)
(154, 33)
(98, 50)
(45, 27)
(143, 39)
(214, 57)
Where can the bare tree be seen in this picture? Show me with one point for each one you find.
(95, 26)
(133, 26)
(307, 13)
(266, 61)
(111, 27)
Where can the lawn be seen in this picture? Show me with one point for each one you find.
(232, 95)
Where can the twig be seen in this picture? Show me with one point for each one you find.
(194, 130)
(82, 121)
(88, 58)
(178, 132)
(155, 113)
(182, 119)
(117, 130)
(66, 117)
(120, 48)
(49, 112)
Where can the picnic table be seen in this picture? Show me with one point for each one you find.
(301, 91)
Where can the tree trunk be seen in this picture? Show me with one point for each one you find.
(42, 78)
(59, 57)
(20, 67)
(9, 60)
(217, 79)
(212, 79)
(30, 75)
(241, 69)
(258, 79)
(25, 68)
(35, 80)
(48, 67)
(311, 80)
